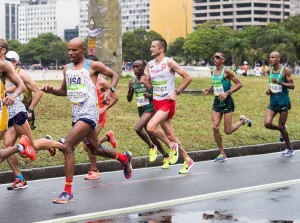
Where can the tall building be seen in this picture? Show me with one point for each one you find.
(83, 18)
(240, 13)
(295, 7)
(135, 14)
(9, 19)
(43, 16)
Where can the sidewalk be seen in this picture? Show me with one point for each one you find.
(143, 161)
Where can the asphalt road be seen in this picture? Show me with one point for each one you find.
(262, 188)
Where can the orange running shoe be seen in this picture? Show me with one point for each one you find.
(28, 150)
(112, 139)
(92, 175)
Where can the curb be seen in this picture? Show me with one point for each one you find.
(143, 161)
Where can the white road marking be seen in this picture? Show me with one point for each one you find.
(172, 202)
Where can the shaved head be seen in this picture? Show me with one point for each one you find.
(77, 41)
(276, 54)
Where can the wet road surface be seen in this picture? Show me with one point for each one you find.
(263, 188)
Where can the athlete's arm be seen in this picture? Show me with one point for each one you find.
(62, 91)
(15, 79)
(206, 91)
(130, 91)
(145, 79)
(29, 83)
(177, 69)
(287, 76)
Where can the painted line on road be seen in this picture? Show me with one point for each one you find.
(172, 202)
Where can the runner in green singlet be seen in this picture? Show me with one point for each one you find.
(223, 102)
(146, 112)
(280, 81)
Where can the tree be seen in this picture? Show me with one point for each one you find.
(207, 39)
(37, 49)
(59, 52)
(276, 38)
(137, 44)
(175, 50)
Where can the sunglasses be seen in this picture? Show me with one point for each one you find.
(218, 57)
(9, 59)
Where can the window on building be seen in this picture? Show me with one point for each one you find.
(243, 5)
(277, 6)
(228, 20)
(227, 13)
(200, 1)
(214, 14)
(260, 5)
(214, 6)
(200, 7)
(246, 12)
(200, 14)
(243, 20)
(259, 12)
(228, 6)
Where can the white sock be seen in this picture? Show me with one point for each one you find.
(20, 148)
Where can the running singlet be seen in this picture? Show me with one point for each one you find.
(163, 81)
(220, 84)
(18, 105)
(139, 90)
(81, 92)
(279, 94)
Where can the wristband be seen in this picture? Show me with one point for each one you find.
(177, 92)
(29, 110)
(112, 89)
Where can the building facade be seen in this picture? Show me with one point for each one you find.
(135, 15)
(240, 13)
(43, 16)
(9, 28)
(295, 7)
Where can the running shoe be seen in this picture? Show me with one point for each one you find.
(63, 198)
(28, 150)
(92, 175)
(52, 151)
(246, 120)
(128, 165)
(112, 139)
(166, 163)
(287, 153)
(18, 184)
(153, 154)
(281, 139)
(173, 152)
(62, 141)
(221, 158)
(187, 165)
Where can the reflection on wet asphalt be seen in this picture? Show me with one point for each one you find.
(264, 206)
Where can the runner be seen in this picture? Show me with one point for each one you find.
(17, 124)
(161, 76)
(78, 84)
(280, 81)
(223, 102)
(7, 73)
(146, 112)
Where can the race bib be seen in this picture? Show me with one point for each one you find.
(160, 88)
(141, 100)
(76, 93)
(275, 88)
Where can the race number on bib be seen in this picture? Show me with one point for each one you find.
(275, 88)
(160, 88)
(218, 90)
(141, 101)
(77, 93)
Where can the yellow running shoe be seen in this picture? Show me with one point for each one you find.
(187, 165)
(153, 154)
(166, 163)
(173, 152)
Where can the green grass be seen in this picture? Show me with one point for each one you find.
(192, 121)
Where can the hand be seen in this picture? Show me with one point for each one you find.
(223, 96)
(143, 79)
(47, 89)
(268, 91)
(275, 81)
(205, 91)
(147, 95)
(172, 97)
(106, 97)
(101, 111)
(8, 100)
